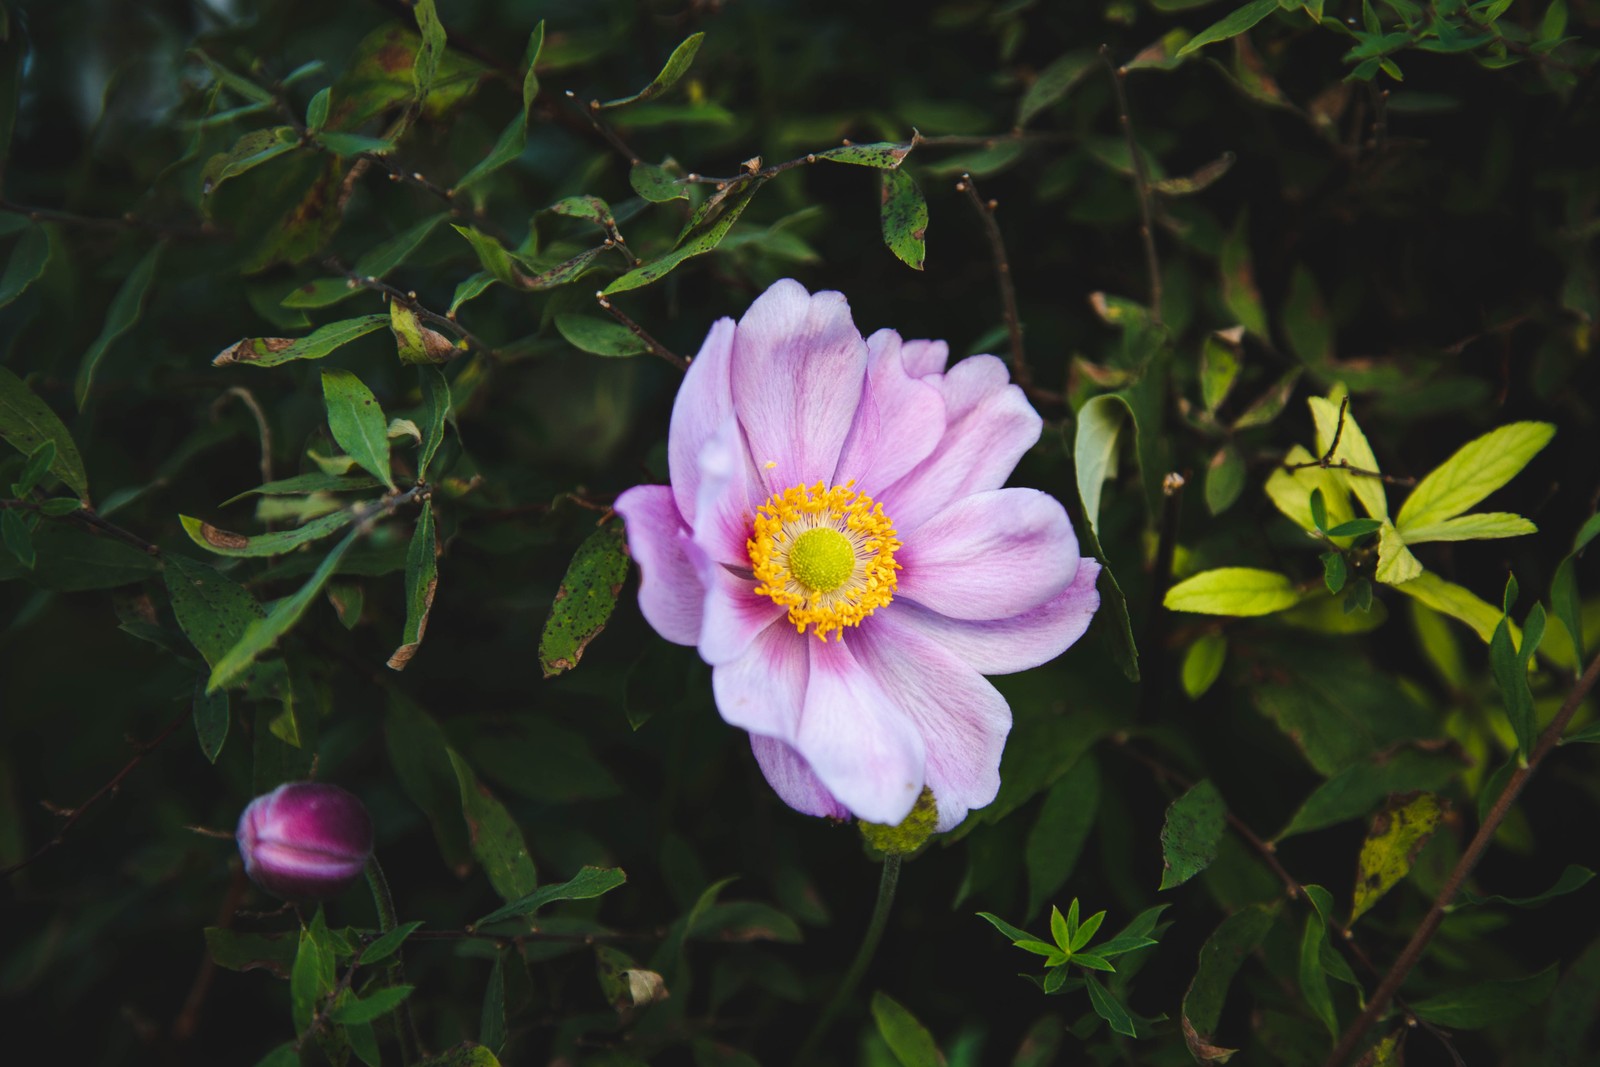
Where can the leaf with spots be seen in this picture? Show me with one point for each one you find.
(585, 600)
(1189, 838)
(271, 351)
(26, 422)
(212, 609)
(357, 422)
(1398, 833)
(884, 155)
(496, 841)
(905, 218)
(676, 67)
(1220, 959)
(227, 543)
(422, 578)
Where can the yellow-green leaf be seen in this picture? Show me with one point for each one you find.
(1455, 601)
(1398, 833)
(1396, 564)
(1477, 469)
(1233, 591)
(1353, 449)
(1291, 491)
(1480, 526)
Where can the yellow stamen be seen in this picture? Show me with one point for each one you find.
(826, 554)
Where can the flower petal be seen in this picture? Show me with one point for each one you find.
(798, 365)
(703, 406)
(1005, 646)
(863, 746)
(723, 503)
(990, 556)
(989, 425)
(897, 425)
(764, 689)
(670, 593)
(922, 358)
(792, 778)
(962, 719)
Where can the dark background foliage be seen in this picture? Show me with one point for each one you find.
(1427, 243)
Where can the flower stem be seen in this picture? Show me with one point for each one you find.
(869, 946)
(406, 1026)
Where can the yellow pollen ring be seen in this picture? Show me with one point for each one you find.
(826, 554)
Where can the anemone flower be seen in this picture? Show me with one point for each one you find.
(837, 544)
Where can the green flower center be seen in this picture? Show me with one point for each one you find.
(822, 559)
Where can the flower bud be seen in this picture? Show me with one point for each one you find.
(912, 831)
(305, 840)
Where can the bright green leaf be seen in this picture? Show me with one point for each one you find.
(1232, 591)
(1477, 469)
(357, 422)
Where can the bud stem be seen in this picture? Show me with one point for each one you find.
(869, 947)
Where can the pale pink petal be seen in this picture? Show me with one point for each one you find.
(727, 496)
(703, 406)
(670, 593)
(733, 612)
(792, 778)
(922, 358)
(798, 365)
(1005, 646)
(962, 719)
(764, 689)
(989, 425)
(899, 422)
(862, 745)
(990, 555)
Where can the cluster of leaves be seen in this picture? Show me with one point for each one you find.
(411, 280)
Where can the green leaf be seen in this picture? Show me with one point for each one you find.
(1510, 671)
(905, 218)
(1057, 837)
(1353, 449)
(1231, 26)
(585, 600)
(1239, 291)
(271, 351)
(560, 274)
(1219, 368)
(1307, 323)
(1477, 527)
(656, 184)
(1397, 834)
(211, 719)
(213, 611)
(425, 67)
(285, 1055)
(491, 253)
(317, 110)
(1225, 477)
(1396, 564)
(492, 1020)
(418, 344)
(1189, 838)
(1100, 422)
(1291, 491)
(353, 144)
(422, 579)
(463, 1055)
(1356, 528)
(1239, 591)
(228, 543)
(357, 422)
(274, 952)
(1220, 959)
(603, 337)
(29, 257)
(1093, 962)
(1202, 664)
(312, 976)
(677, 66)
(379, 260)
(26, 422)
(907, 1038)
(248, 152)
(698, 240)
(1487, 1003)
(1357, 789)
(374, 1006)
(387, 944)
(1451, 599)
(17, 538)
(1572, 879)
(1061, 928)
(496, 840)
(1109, 1007)
(1136, 935)
(310, 482)
(1477, 469)
(123, 313)
(69, 559)
(883, 155)
(262, 634)
(510, 145)
(590, 208)
(1053, 83)
(1314, 977)
(588, 883)
(436, 412)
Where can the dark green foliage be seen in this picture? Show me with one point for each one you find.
(302, 362)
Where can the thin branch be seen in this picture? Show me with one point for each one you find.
(1141, 182)
(262, 427)
(1412, 953)
(409, 300)
(128, 221)
(592, 113)
(88, 518)
(532, 936)
(73, 815)
(1002, 276)
(656, 347)
(1328, 463)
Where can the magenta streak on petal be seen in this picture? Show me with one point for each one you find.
(703, 406)
(897, 425)
(762, 690)
(863, 747)
(671, 595)
(989, 425)
(792, 778)
(990, 555)
(962, 719)
(798, 365)
(1005, 646)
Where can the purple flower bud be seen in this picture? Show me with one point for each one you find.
(305, 840)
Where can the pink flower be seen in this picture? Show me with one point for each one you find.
(305, 840)
(837, 544)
